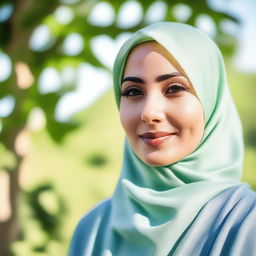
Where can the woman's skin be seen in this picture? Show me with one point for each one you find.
(156, 96)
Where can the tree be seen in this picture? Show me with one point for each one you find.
(16, 31)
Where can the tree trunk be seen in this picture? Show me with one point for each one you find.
(18, 50)
(9, 230)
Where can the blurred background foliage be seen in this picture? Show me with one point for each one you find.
(53, 170)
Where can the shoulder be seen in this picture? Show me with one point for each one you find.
(88, 228)
(99, 211)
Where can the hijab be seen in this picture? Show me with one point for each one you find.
(152, 207)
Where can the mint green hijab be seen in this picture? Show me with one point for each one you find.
(154, 209)
(152, 206)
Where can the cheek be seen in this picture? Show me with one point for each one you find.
(190, 114)
(196, 121)
(128, 118)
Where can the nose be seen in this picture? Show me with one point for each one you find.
(152, 111)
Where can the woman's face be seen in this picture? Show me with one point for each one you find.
(159, 111)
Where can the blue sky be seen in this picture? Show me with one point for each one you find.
(245, 10)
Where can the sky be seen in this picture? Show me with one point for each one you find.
(100, 80)
(245, 10)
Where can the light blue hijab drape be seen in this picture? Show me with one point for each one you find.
(182, 208)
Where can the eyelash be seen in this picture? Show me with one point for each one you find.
(176, 86)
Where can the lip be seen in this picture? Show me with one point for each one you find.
(155, 138)
(153, 135)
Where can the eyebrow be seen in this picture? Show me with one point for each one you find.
(158, 78)
(133, 79)
(167, 76)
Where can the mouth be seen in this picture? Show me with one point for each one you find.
(156, 138)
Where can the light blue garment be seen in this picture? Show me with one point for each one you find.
(172, 210)
(225, 226)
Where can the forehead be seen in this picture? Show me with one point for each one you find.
(150, 55)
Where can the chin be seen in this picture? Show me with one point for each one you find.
(156, 161)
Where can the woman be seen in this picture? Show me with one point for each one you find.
(179, 191)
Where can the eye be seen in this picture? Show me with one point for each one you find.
(175, 88)
(131, 92)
